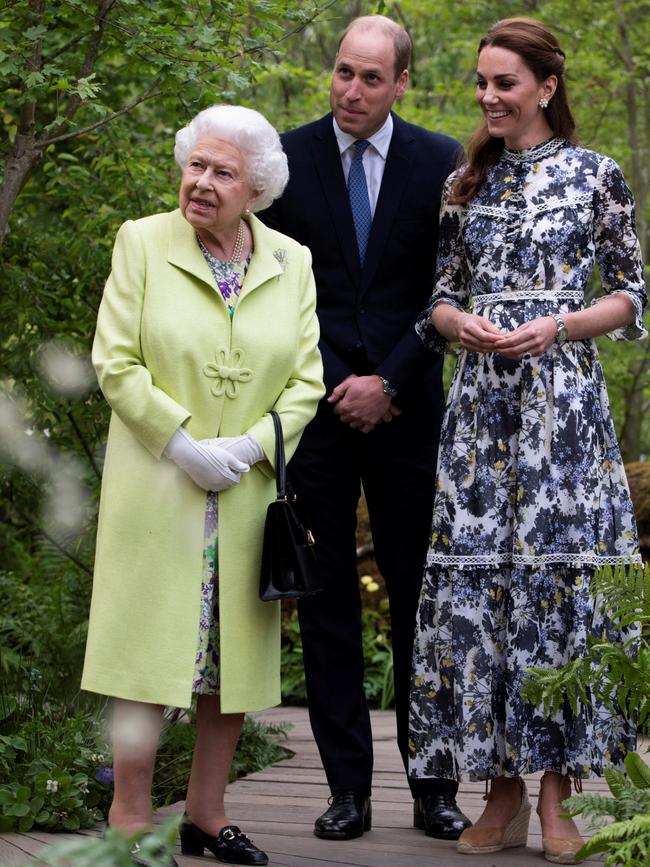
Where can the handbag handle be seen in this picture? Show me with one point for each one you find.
(280, 465)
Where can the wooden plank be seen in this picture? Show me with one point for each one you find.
(11, 853)
(277, 808)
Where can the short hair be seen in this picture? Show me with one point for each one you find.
(401, 39)
(266, 163)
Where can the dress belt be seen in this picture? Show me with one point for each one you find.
(528, 295)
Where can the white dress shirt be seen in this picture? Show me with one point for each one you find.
(374, 158)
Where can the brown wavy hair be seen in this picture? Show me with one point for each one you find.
(539, 49)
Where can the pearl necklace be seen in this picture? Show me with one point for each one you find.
(238, 247)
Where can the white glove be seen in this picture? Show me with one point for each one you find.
(244, 447)
(209, 466)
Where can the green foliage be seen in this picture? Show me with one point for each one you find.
(609, 672)
(51, 763)
(258, 747)
(626, 841)
(113, 850)
(55, 765)
(378, 662)
(626, 844)
(43, 623)
(622, 682)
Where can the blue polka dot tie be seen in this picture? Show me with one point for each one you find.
(359, 200)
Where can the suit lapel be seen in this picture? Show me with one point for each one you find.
(399, 163)
(327, 160)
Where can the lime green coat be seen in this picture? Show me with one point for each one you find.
(167, 353)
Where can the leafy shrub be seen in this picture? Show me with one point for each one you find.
(43, 624)
(56, 766)
(53, 767)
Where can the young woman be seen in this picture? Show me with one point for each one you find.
(531, 494)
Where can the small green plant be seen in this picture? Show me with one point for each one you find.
(618, 675)
(113, 850)
(52, 763)
(626, 841)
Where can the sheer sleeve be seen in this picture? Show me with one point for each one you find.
(618, 251)
(452, 277)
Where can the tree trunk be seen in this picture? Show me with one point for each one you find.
(639, 140)
(22, 160)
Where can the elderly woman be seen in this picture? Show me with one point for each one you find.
(207, 323)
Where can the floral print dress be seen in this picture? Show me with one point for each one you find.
(531, 494)
(229, 279)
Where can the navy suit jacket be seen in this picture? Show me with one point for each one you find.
(367, 314)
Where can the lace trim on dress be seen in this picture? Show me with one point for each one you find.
(635, 330)
(536, 153)
(531, 211)
(528, 295)
(576, 559)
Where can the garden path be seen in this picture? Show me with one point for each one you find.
(277, 807)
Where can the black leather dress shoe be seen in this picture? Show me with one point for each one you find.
(348, 816)
(439, 816)
(230, 845)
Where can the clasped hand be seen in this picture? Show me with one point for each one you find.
(210, 466)
(477, 334)
(360, 402)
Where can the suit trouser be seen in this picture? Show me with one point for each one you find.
(395, 463)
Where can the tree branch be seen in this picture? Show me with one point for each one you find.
(43, 143)
(92, 53)
(84, 444)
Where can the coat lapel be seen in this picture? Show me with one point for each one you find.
(266, 261)
(327, 160)
(184, 252)
(398, 168)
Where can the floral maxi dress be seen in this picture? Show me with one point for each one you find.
(531, 494)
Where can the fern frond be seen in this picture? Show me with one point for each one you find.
(637, 770)
(617, 781)
(592, 806)
(628, 842)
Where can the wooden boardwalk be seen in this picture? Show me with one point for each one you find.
(277, 808)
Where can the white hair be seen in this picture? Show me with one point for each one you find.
(266, 162)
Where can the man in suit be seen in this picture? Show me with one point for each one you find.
(364, 195)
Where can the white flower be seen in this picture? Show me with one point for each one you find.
(83, 788)
(52, 786)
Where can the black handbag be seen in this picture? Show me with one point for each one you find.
(289, 566)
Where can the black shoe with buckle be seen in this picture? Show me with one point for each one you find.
(438, 816)
(230, 845)
(347, 817)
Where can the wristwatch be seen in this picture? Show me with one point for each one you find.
(390, 390)
(561, 335)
